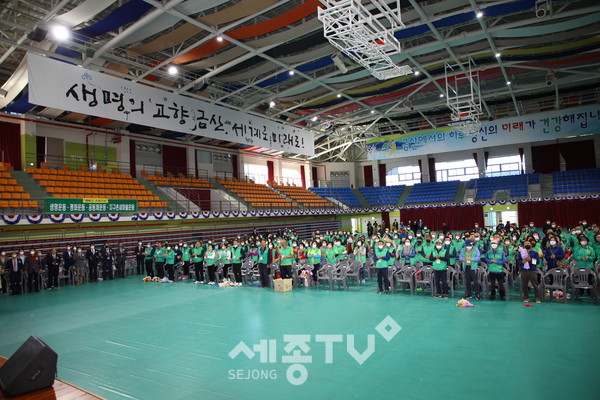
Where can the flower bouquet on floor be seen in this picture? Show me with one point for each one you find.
(464, 303)
(306, 275)
(226, 283)
(147, 279)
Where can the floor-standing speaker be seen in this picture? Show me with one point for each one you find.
(32, 367)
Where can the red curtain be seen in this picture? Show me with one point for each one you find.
(270, 171)
(10, 144)
(578, 155)
(457, 218)
(564, 212)
(234, 163)
(132, 157)
(368, 173)
(40, 150)
(315, 177)
(382, 174)
(545, 159)
(174, 159)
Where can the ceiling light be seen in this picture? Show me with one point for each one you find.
(272, 104)
(314, 118)
(291, 73)
(372, 111)
(508, 82)
(339, 95)
(219, 38)
(498, 55)
(417, 72)
(61, 32)
(479, 14)
(172, 70)
(441, 95)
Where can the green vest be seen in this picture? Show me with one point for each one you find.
(197, 253)
(186, 254)
(584, 252)
(361, 258)
(313, 255)
(331, 256)
(381, 263)
(170, 257)
(148, 253)
(288, 251)
(340, 251)
(439, 265)
(263, 255)
(236, 255)
(160, 254)
(211, 257)
(495, 255)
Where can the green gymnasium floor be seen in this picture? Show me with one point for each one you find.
(126, 339)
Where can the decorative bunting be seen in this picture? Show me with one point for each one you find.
(35, 219)
(158, 215)
(243, 213)
(171, 215)
(206, 214)
(235, 213)
(225, 213)
(94, 217)
(143, 216)
(195, 214)
(183, 215)
(113, 216)
(57, 218)
(76, 217)
(11, 219)
(216, 214)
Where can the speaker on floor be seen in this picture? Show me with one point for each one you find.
(32, 367)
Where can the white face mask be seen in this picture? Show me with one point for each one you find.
(314, 246)
(32, 252)
(380, 247)
(553, 242)
(438, 247)
(477, 239)
(447, 243)
(92, 247)
(410, 236)
(68, 248)
(494, 245)
(468, 248)
(169, 248)
(185, 245)
(140, 243)
(21, 253)
(418, 235)
(583, 243)
(507, 243)
(388, 244)
(407, 244)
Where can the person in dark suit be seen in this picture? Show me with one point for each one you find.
(33, 267)
(67, 256)
(14, 269)
(52, 262)
(106, 254)
(93, 256)
(138, 251)
(120, 257)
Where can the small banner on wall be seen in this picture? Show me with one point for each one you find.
(68, 87)
(77, 206)
(530, 128)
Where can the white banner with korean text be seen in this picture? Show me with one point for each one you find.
(64, 86)
(551, 125)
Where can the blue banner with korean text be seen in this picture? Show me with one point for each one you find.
(529, 128)
(64, 86)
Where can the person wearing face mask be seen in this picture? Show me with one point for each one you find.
(237, 256)
(381, 256)
(407, 253)
(528, 261)
(14, 269)
(170, 256)
(547, 225)
(107, 256)
(360, 256)
(225, 258)
(584, 254)
(67, 257)
(210, 260)
(469, 257)
(186, 257)
(120, 257)
(92, 257)
(79, 265)
(52, 262)
(425, 252)
(314, 255)
(340, 250)
(330, 254)
(197, 257)
(495, 259)
(391, 247)
(159, 260)
(138, 252)
(554, 253)
(595, 244)
(285, 259)
(440, 258)
(149, 260)
(34, 265)
(264, 261)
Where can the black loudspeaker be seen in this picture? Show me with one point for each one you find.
(32, 367)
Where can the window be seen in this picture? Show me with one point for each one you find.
(410, 175)
(456, 170)
(258, 173)
(291, 176)
(503, 166)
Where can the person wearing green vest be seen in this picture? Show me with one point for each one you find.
(237, 257)
(197, 254)
(595, 244)
(313, 256)
(186, 257)
(264, 261)
(159, 258)
(285, 259)
(407, 253)
(470, 256)
(226, 259)
(340, 250)
(584, 254)
(440, 258)
(381, 256)
(210, 260)
(330, 254)
(426, 250)
(495, 259)
(360, 255)
(149, 260)
(170, 256)
(389, 245)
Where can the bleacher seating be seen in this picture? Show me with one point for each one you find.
(303, 196)
(257, 195)
(341, 194)
(179, 181)
(431, 192)
(517, 185)
(382, 195)
(579, 181)
(12, 195)
(79, 184)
